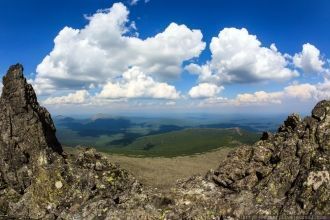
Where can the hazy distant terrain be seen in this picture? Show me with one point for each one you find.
(155, 136)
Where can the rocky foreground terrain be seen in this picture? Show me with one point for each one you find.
(283, 174)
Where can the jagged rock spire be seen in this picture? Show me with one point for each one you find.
(283, 174)
(27, 131)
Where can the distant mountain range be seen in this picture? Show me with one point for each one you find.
(109, 133)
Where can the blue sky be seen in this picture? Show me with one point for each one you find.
(241, 73)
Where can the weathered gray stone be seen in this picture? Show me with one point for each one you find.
(281, 175)
(27, 131)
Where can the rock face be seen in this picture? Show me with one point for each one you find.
(281, 175)
(37, 180)
(27, 131)
(286, 173)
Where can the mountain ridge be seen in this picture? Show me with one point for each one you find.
(283, 174)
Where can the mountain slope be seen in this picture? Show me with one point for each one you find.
(185, 142)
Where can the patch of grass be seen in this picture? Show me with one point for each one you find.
(184, 142)
(162, 173)
(71, 138)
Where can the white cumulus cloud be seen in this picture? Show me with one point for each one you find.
(260, 97)
(304, 91)
(205, 90)
(323, 90)
(238, 57)
(106, 47)
(78, 97)
(296, 92)
(135, 84)
(309, 59)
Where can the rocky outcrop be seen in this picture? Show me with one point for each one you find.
(39, 181)
(283, 174)
(27, 131)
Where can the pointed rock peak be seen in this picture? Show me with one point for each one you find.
(16, 91)
(27, 135)
(15, 71)
(13, 79)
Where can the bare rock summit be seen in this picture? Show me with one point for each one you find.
(27, 131)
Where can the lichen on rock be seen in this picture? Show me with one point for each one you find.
(27, 131)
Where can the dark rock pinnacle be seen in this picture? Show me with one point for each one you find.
(27, 131)
(39, 181)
